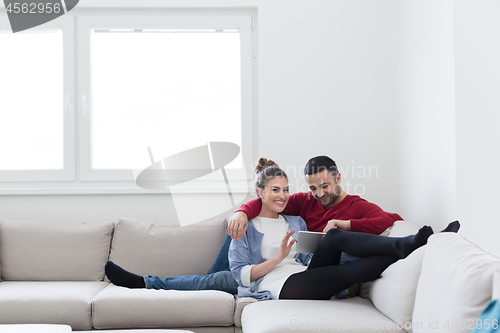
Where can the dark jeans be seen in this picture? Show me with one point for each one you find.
(325, 277)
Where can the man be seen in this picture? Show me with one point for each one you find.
(326, 206)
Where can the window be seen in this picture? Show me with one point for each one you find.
(36, 131)
(149, 85)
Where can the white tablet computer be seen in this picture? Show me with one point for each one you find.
(308, 241)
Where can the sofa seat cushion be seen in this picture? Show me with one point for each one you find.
(67, 303)
(146, 331)
(218, 329)
(118, 307)
(354, 315)
(53, 251)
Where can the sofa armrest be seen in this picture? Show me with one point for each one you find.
(403, 228)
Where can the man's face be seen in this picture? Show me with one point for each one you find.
(324, 187)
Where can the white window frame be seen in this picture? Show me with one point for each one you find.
(77, 176)
(66, 23)
(167, 20)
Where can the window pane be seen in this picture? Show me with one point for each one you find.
(31, 100)
(170, 90)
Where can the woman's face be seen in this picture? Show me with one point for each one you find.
(274, 197)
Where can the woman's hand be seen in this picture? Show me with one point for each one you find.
(262, 269)
(285, 246)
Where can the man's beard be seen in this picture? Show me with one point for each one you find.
(332, 196)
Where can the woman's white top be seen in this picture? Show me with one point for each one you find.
(274, 230)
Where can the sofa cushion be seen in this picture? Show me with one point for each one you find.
(34, 328)
(49, 251)
(394, 292)
(49, 302)
(118, 307)
(347, 315)
(159, 249)
(496, 284)
(241, 303)
(455, 284)
(398, 229)
(219, 329)
(403, 229)
(145, 331)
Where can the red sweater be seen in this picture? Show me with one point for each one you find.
(365, 216)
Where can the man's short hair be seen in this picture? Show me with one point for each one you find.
(318, 164)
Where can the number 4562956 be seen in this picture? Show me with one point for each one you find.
(33, 8)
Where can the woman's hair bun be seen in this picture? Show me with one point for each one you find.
(263, 163)
(266, 170)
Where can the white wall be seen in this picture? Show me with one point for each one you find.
(326, 83)
(87, 208)
(409, 89)
(426, 112)
(477, 72)
(325, 88)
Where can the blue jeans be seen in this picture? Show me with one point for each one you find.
(219, 277)
(221, 263)
(223, 280)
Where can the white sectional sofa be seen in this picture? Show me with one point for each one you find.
(440, 287)
(53, 273)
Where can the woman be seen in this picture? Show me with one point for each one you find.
(266, 265)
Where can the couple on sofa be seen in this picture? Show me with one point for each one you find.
(264, 264)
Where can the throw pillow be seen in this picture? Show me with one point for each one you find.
(398, 229)
(393, 294)
(489, 318)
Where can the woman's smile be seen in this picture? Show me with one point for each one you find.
(274, 197)
(280, 202)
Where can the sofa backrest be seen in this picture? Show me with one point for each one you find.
(159, 249)
(53, 251)
(455, 285)
(496, 285)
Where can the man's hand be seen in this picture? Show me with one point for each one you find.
(340, 224)
(238, 225)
